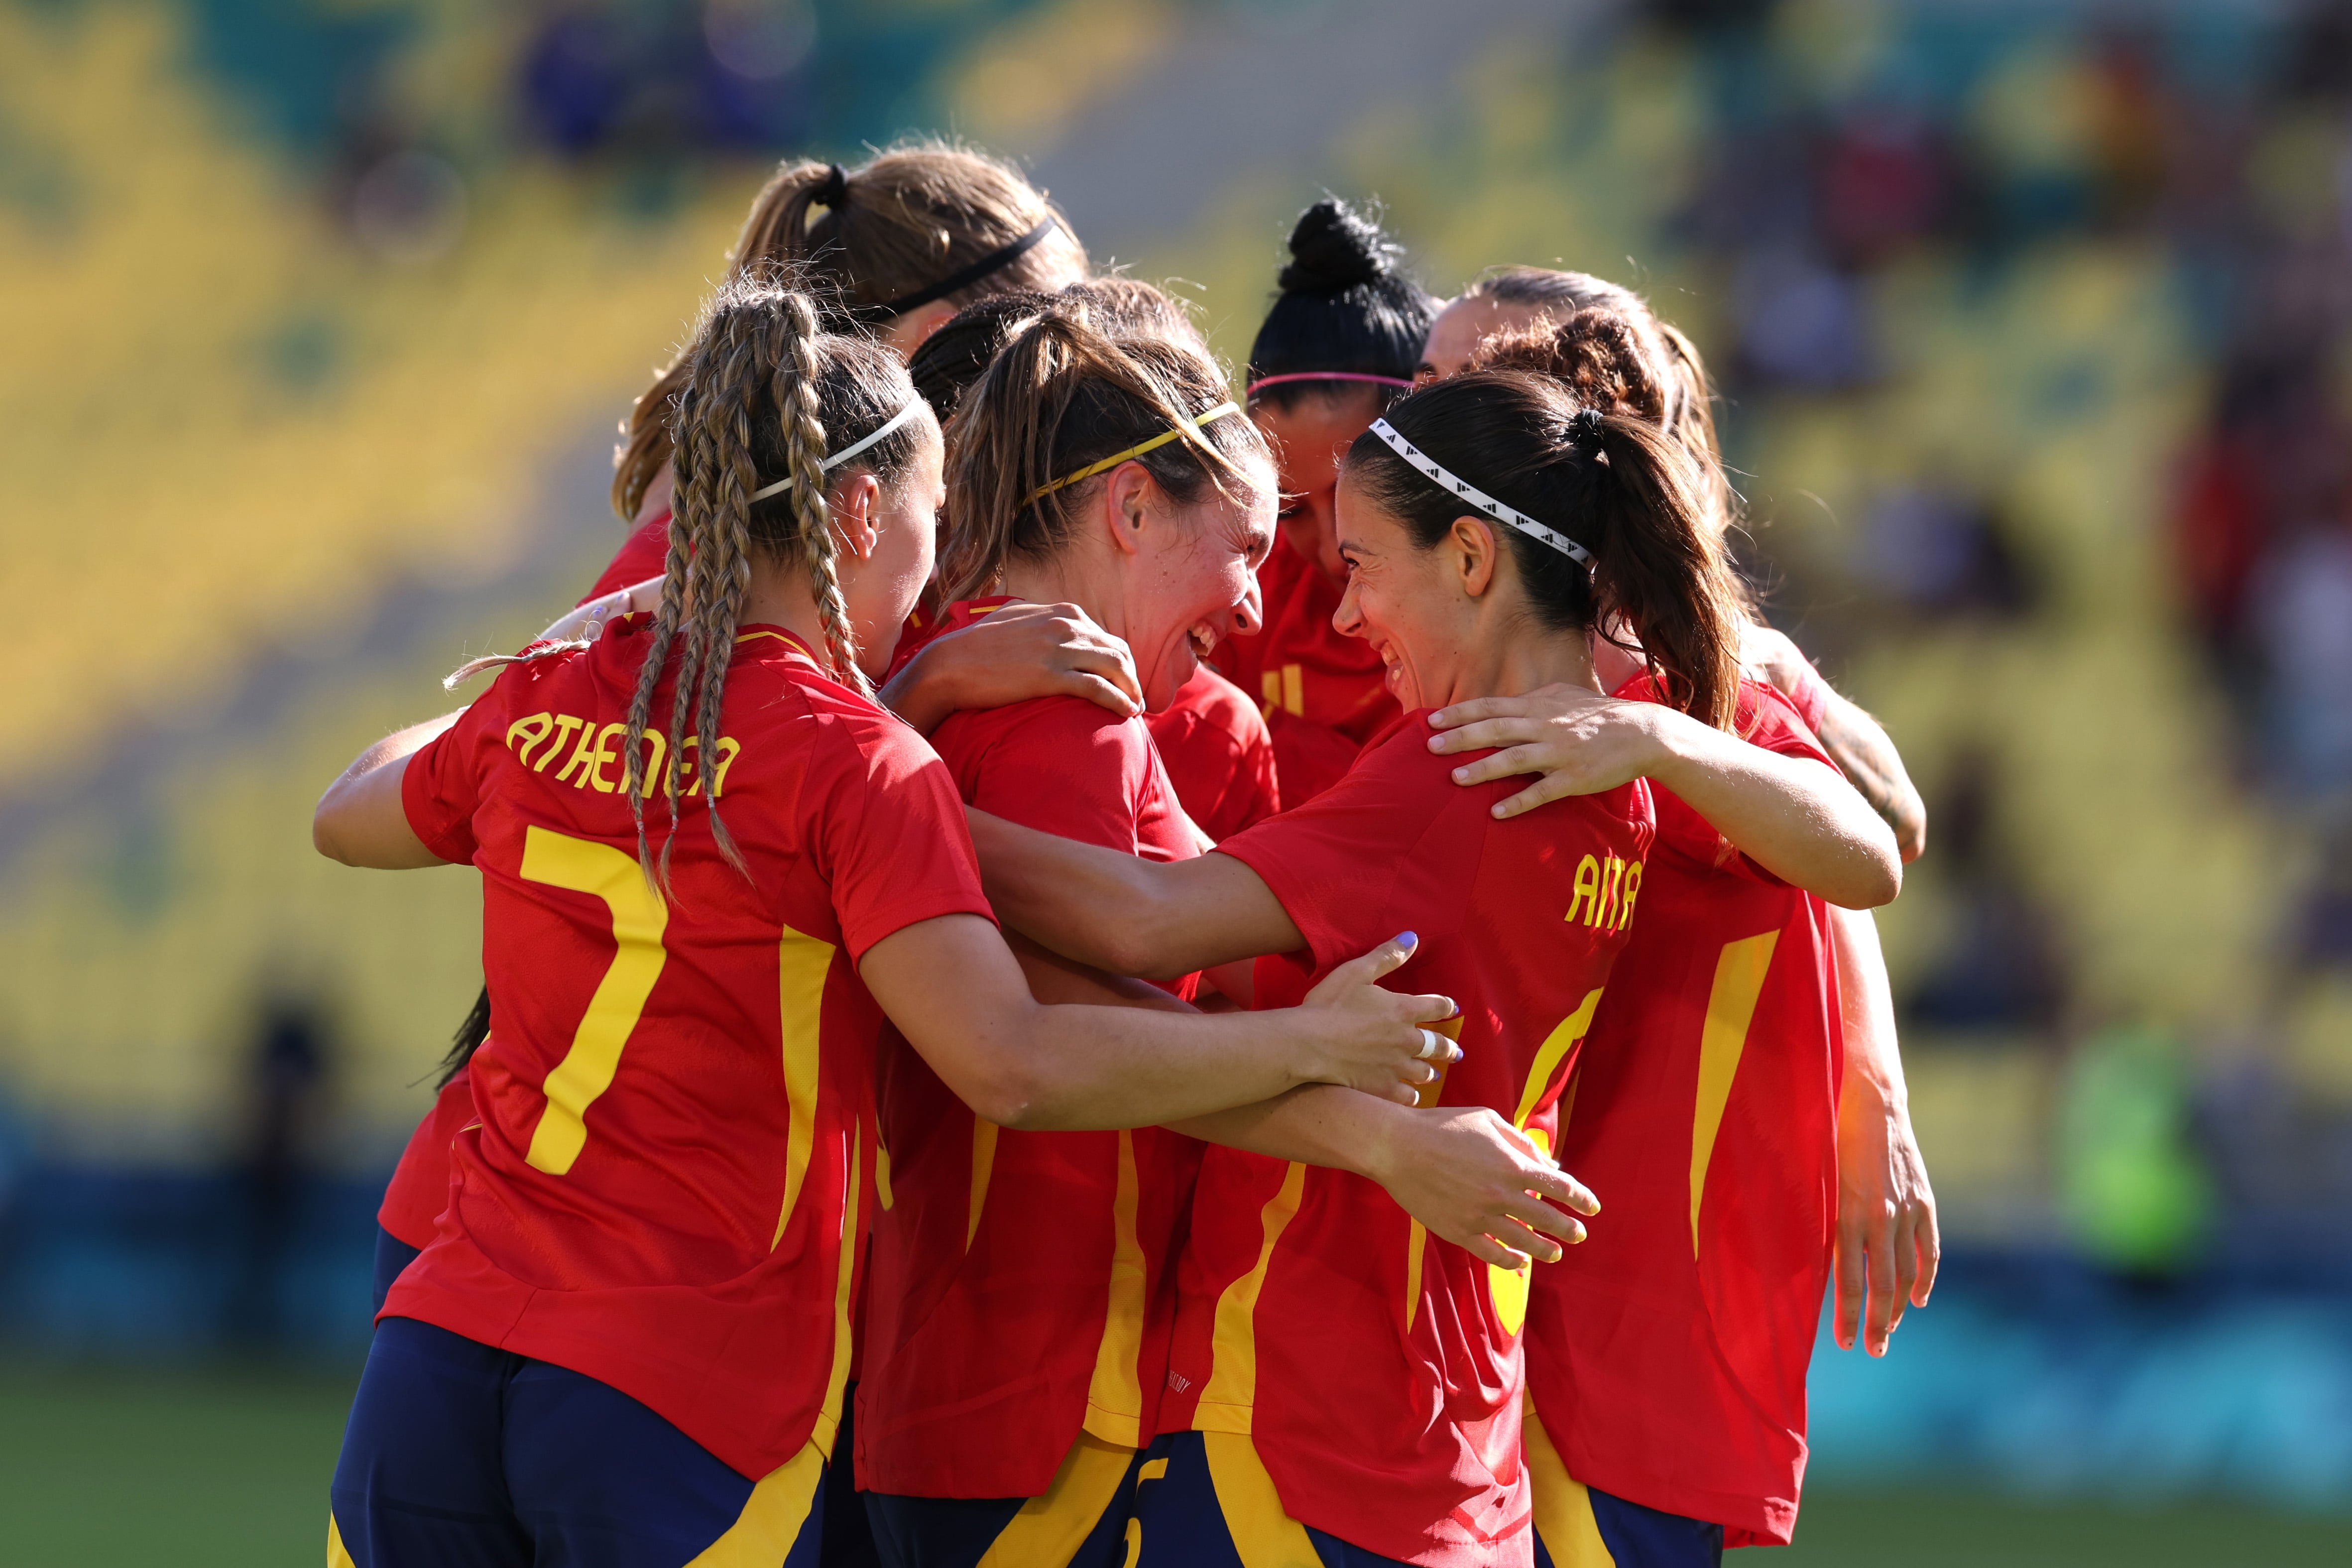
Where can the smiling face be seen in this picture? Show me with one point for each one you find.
(882, 584)
(1418, 608)
(1191, 577)
(1309, 437)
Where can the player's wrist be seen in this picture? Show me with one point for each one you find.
(1669, 746)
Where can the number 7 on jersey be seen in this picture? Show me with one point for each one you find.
(639, 918)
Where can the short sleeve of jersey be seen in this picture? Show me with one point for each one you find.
(1335, 862)
(443, 783)
(891, 833)
(1059, 765)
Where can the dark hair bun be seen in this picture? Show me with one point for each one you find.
(1334, 248)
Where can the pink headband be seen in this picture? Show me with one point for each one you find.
(1255, 386)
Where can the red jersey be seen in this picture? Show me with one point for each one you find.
(1324, 695)
(676, 1105)
(419, 1189)
(1218, 754)
(645, 554)
(1022, 1283)
(1668, 1353)
(1377, 1370)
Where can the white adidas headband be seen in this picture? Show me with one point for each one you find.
(1478, 498)
(914, 407)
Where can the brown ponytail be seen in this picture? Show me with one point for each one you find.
(1594, 334)
(764, 390)
(1614, 483)
(1064, 394)
(904, 221)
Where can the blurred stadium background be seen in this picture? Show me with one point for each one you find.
(2035, 325)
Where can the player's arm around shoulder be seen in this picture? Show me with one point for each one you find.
(953, 989)
(1793, 817)
(361, 820)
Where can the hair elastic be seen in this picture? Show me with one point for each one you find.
(1267, 381)
(851, 450)
(1153, 445)
(1478, 498)
(964, 277)
(833, 191)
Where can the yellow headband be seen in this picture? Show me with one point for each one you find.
(1116, 459)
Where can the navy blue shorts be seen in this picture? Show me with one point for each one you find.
(1202, 1499)
(392, 1255)
(1081, 1521)
(1637, 1537)
(459, 1455)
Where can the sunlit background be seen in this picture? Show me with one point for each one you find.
(2034, 325)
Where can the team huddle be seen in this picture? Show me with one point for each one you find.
(1071, 960)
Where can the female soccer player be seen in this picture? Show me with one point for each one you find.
(1022, 1298)
(627, 1341)
(1338, 348)
(1343, 1387)
(1666, 1359)
(1212, 739)
(1505, 300)
(900, 242)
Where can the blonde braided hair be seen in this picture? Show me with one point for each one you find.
(805, 443)
(761, 385)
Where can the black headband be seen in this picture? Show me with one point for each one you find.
(964, 277)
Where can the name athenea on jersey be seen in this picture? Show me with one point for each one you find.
(595, 754)
(1604, 891)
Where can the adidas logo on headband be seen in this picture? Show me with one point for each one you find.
(1478, 498)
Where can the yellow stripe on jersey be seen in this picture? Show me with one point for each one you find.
(1115, 1398)
(1416, 1242)
(802, 964)
(984, 1161)
(1049, 1530)
(1551, 1053)
(639, 918)
(336, 1556)
(828, 1418)
(774, 1516)
(1232, 1392)
(1264, 1536)
(1563, 1507)
(1730, 1007)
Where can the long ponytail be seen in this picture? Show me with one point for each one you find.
(865, 241)
(1615, 484)
(765, 389)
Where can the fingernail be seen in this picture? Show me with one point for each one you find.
(1408, 939)
(1461, 773)
(1456, 1057)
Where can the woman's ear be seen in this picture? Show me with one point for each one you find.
(854, 507)
(1126, 506)
(1472, 540)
